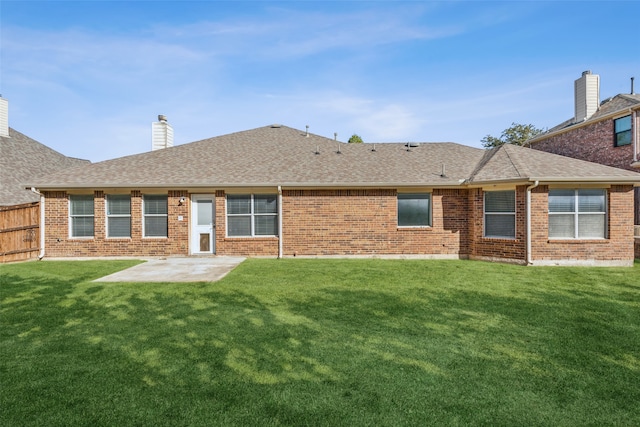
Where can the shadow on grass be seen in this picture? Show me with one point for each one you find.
(507, 353)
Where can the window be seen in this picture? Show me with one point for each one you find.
(81, 215)
(500, 214)
(252, 215)
(622, 131)
(577, 214)
(118, 216)
(414, 210)
(155, 216)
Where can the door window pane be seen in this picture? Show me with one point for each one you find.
(205, 212)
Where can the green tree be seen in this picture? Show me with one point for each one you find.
(517, 134)
(355, 139)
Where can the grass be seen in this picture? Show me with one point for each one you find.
(321, 343)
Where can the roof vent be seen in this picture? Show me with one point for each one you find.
(161, 134)
(276, 126)
(411, 145)
(4, 117)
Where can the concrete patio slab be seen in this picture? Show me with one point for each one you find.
(176, 269)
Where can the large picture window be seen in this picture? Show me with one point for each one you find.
(81, 215)
(500, 214)
(622, 131)
(414, 210)
(155, 216)
(577, 214)
(250, 215)
(118, 216)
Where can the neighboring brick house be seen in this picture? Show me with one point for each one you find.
(606, 132)
(277, 191)
(22, 159)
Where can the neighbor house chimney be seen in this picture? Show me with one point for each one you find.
(4, 117)
(161, 134)
(587, 95)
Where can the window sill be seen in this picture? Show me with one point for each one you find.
(579, 241)
(251, 237)
(502, 239)
(414, 227)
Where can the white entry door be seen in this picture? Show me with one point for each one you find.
(203, 236)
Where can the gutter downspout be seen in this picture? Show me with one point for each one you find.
(529, 188)
(634, 135)
(279, 221)
(41, 254)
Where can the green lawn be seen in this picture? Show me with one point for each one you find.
(322, 343)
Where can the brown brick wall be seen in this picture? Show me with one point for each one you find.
(619, 245)
(593, 143)
(58, 243)
(351, 222)
(484, 247)
(364, 222)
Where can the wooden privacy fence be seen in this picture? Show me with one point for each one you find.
(19, 232)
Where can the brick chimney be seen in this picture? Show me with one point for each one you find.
(161, 134)
(587, 96)
(4, 117)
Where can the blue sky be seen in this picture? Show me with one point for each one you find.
(87, 78)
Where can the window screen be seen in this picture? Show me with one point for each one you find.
(155, 216)
(252, 215)
(577, 214)
(500, 214)
(81, 215)
(414, 210)
(118, 216)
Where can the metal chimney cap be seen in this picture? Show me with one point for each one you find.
(162, 118)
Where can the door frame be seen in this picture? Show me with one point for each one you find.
(195, 230)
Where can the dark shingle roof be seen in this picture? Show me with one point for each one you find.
(23, 159)
(510, 162)
(279, 155)
(613, 105)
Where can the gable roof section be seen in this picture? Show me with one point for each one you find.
(610, 107)
(512, 163)
(23, 159)
(278, 155)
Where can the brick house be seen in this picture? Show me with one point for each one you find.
(22, 159)
(606, 132)
(280, 192)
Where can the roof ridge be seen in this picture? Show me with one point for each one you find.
(521, 168)
(488, 155)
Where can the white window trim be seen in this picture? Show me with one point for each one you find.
(513, 214)
(251, 215)
(144, 218)
(71, 236)
(576, 215)
(107, 216)
(430, 218)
